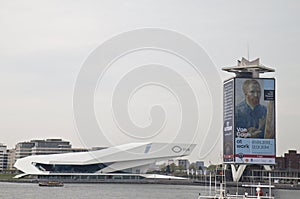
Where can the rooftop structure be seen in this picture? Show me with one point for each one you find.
(248, 69)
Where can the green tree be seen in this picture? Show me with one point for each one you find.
(163, 168)
(193, 166)
(212, 167)
(173, 167)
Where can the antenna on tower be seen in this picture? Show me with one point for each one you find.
(248, 51)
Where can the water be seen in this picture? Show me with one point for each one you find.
(113, 191)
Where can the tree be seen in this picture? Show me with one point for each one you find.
(193, 166)
(173, 168)
(212, 167)
(163, 168)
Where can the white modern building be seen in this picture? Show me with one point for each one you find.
(132, 158)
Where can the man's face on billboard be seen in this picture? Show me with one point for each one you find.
(253, 94)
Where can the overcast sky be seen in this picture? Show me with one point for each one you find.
(44, 44)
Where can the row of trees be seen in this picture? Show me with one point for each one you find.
(180, 170)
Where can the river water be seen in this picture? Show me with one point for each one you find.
(113, 191)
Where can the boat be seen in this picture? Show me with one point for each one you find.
(51, 184)
(223, 195)
(221, 192)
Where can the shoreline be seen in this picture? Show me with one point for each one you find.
(150, 181)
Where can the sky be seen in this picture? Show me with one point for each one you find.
(46, 45)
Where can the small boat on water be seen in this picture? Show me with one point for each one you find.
(51, 184)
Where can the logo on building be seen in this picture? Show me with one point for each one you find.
(176, 149)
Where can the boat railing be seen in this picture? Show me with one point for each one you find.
(222, 194)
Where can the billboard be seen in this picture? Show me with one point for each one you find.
(253, 121)
(228, 121)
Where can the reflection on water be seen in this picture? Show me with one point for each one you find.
(112, 191)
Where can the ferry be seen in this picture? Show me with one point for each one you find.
(51, 184)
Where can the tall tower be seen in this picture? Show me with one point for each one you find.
(248, 117)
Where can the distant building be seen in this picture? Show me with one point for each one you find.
(185, 163)
(23, 149)
(199, 165)
(11, 159)
(50, 146)
(290, 161)
(40, 147)
(3, 157)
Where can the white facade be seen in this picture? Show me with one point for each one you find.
(133, 156)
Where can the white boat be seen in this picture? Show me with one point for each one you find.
(223, 194)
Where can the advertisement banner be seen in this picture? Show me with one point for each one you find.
(228, 119)
(254, 121)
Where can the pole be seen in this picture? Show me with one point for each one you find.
(210, 183)
(270, 189)
(216, 181)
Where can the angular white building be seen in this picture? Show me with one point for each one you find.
(131, 158)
